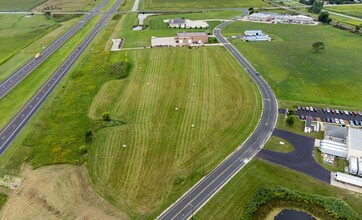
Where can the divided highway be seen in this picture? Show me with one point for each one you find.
(12, 129)
(197, 196)
(8, 84)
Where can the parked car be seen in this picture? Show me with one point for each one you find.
(356, 122)
(359, 113)
(315, 109)
(354, 113)
(341, 121)
(298, 108)
(336, 120)
(301, 117)
(350, 113)
(311, 109)
(332, 111)
(307, 109)
(302, 107)
(351, 123)
(360, 123)
(346, 112)
(341, 112)
(328, 120)
(328, 111)
(337, 111)
(324, 110)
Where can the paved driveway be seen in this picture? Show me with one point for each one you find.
(300, 159)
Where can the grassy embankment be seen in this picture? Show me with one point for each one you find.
(19, 5)
(156, 27)
(274, 144)
(295, 72)
(202, 4)
(242, 187)
(67, 5)
(351, 10)
(19, 31)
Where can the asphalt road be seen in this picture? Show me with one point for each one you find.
(300, 159)
(201, 192)
(15, 78)
(12, 129)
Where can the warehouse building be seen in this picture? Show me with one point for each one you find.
(255, 35)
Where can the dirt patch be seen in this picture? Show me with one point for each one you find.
(57, 192)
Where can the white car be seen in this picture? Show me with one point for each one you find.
(336, 120)
(341, 121)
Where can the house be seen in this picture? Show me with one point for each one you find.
(308, 125)
(177, 22)
(188, 38)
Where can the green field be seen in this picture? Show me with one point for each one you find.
(161, 145)
(19, 5)
(156, 26)
(295, 72)
(66, 5)
(18, 31)
(274, 144)
(202, 4)
(351, 10)
(230, 201)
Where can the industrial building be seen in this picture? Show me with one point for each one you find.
(188, 38)
(255, 35)
(185, 23)
(279, 18)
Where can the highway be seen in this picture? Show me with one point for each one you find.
(12, 129)
(15, 78)
(200, 193)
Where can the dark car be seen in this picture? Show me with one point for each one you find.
(324, 110)
(315, 109)
(328, 119)
(332, 111)
(350, 113)
(341, 112)
(302, 107)
(360, 123)
(354, 113)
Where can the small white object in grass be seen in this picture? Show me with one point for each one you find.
(193, 126)
(176, 109)
(148, 83)
(217, 74)
(281, 142)
(124, 145)
(194, 84)
(215, 55)
(139, 67)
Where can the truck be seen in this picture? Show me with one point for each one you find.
(37, 55)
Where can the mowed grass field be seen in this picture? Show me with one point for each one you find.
(19, 5)
(164, 153)
(185, 4)
(230, 201)
(351, 10)
(66, 5)
(18, 31)
(295, 72)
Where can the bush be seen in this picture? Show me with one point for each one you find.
(106, 116)
(83, 149)
(329, 207)
(120, 69)
(88, 136)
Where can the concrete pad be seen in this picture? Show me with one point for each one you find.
(117, 43)
(163, 41)
(346, 186)
(196, 23)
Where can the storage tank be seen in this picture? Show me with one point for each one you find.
(353, 165)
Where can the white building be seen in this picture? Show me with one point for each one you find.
(355, 142)
(177, 23)
(255, 35)
(279, 18)
(262, 16)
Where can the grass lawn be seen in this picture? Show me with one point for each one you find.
(297, 127)
(202, 4)
(295, 72)
(158, 161)
(230, 201)
(351, 10)
(274, 144)
(338, 165)
(19, 5)
(18, 31)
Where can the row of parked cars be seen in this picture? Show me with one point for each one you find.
(329, 111)
(335, 120)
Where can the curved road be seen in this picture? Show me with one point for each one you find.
(12, 129)
(8, 84)
(197, 196)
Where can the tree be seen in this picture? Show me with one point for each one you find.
(324, 17)
(48, 14)
(290, 120)
(318, 46)
(106, 116)
(358, 27)
(83, 149)
(88, 136)
(316, 7)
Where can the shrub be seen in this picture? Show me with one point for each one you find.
(83, 149)
(106, 116)
(120, 70)
(88, 136)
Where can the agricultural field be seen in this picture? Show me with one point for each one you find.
(19, 31)
(66, 5)
(257, 173)
(157, 150)
(350, 10)
(203, 4)
(156, 26)
(74, 198)
(295, 72)
(19, 5)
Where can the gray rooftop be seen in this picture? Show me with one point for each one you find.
(334, 131)
(355, 138)
(177, 21)
(308, 122)
(191, 34)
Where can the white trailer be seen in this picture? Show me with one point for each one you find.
(359, 167)
(353, 165)
(345, 178)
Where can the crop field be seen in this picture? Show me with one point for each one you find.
(296, 72)
(240, 189)
(158, 151)
(19, 5)
(18, 31)
(185, 4)
(67, 5)
(351, 10)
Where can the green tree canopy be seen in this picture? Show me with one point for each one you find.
(318, 46)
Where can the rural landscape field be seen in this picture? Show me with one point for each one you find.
(177, 121)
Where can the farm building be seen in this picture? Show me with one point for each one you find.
(177, 22)
(188, 38)
(255, 35)
(342, 142)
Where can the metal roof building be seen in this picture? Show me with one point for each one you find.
(354, 142)
(253, 32)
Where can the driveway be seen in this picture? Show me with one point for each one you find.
(300, 159)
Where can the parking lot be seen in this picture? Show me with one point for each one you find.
(336, 116)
